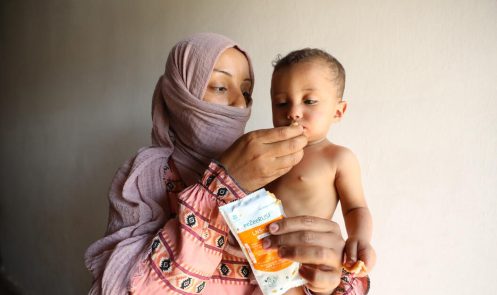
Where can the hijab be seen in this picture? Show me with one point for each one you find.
(196, 131)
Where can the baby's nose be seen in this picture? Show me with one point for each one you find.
(294, 114)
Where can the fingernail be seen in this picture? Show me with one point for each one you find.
(282, 251)
(273, 227)
(266, 243)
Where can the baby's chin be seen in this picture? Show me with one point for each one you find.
(314, 140)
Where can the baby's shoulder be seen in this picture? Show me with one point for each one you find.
(336, 151)
(339, 155)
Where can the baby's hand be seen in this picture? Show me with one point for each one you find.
(357, 249)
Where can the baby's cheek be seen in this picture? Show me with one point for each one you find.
(316, 113)
(315, 116)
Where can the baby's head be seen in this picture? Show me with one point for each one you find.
(307, 88)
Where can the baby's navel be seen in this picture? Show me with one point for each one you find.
(303, 178)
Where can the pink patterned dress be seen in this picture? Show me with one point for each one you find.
(193, 254)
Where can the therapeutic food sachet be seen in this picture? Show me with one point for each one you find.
(248, 220)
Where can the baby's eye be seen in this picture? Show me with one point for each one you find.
(281, 104)
(310, 101)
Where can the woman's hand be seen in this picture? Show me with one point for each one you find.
(261, 156)
(315, 242)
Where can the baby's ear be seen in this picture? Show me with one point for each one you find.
(340, 110)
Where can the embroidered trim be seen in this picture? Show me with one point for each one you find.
(167, 254)
(183, 203)
(219, 184)
(349, 282)
(230, 270)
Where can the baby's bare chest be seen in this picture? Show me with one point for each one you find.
(308, 189)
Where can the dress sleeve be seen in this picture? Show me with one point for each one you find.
(350, 285)
(185, 253)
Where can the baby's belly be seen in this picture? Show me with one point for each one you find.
(299, 200)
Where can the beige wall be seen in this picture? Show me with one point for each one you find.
(76, 84)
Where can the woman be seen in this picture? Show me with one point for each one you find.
(165, 233)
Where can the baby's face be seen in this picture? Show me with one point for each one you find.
(305, 93)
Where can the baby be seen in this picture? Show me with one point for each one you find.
(307, 89)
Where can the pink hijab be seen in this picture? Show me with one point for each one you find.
(186, 128)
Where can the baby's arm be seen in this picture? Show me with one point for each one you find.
(356, 214)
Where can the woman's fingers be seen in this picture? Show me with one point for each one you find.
(278, 134)
(315, 242)
(304, 223)
(302, 238)
(320, 280)
(285, 147)
(310, 254)
(261, 156)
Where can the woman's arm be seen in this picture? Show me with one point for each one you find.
(188, 249)
(133, 256)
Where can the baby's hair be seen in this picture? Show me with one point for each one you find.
(310, 54)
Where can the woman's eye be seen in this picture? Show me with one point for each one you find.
(220, 89)
(310, 101)
(248, 96)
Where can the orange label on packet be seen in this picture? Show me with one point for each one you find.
(248, 220)
(263, 259)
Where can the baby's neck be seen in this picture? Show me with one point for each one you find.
(317, 141)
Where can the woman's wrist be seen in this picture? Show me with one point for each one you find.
(217, 162)
(221, 185)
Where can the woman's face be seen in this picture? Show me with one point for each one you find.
(230, 83)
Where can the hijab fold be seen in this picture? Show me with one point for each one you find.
(185, 128)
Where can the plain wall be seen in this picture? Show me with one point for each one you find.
(76, 84)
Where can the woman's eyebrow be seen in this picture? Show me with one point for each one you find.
(223, 72)
(229, 74)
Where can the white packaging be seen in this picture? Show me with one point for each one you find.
(248, 220)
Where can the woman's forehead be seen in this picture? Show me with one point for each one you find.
(232, 61)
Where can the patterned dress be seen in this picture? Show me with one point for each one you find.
(193, 254)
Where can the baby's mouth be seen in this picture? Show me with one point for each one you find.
(296, 123)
